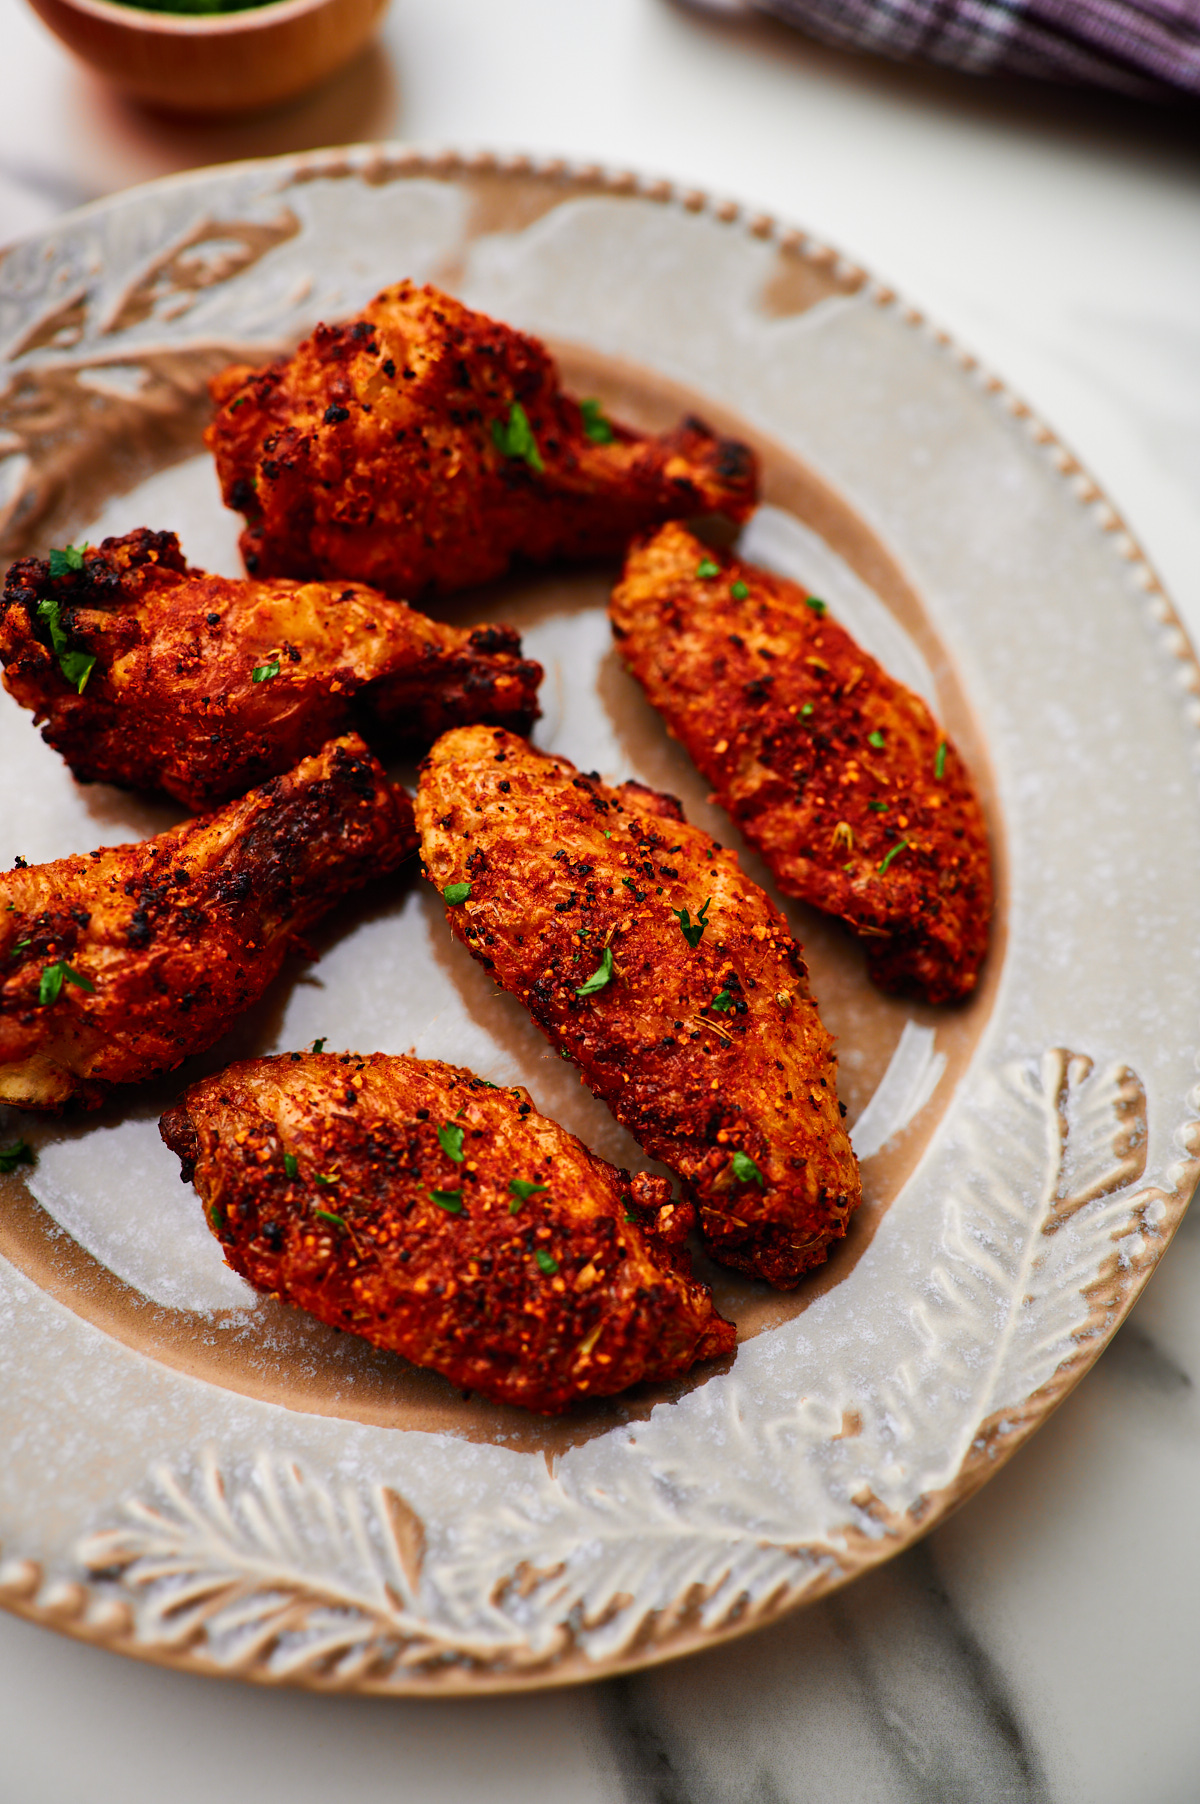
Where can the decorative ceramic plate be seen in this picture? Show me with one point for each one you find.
(195, 1475)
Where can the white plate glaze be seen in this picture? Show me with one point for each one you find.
(198, 1477)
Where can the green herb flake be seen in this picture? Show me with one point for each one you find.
(19, 1153)
(595, 425)
(707, 568)
(598, 979)
(335, 1221)
(52, 980)
(692, 931)
(901, 845)
(19, 947)
(449, 1200)
(739, 590)
(876, 739)
(878, 807)
(262, 673)
(515, 438)
(450, 1139)
(318, 1046)
(455, 893)
(291, 1165)
(68, 559)
(806, 710)
(547, 1261)
(819, 608)
(76, 666)
(722, 1002)
(216, 1219)
(520, 1189)
(746, 1171)
(328, 1178)
(939, 763)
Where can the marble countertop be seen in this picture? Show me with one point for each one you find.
(1043, 1643)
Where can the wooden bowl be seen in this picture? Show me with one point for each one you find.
(217, 62)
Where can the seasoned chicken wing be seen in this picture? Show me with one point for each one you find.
(835, 772)
(424, 446)
(645, 954)
(155, 676)
(117, 965)
(443, 1218)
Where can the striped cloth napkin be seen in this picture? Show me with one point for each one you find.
(1147, 48)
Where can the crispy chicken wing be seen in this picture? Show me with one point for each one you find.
(643, 952)
(424, 446)
(834, 771)
(117, 965)
(155, 676)
(428, 1211)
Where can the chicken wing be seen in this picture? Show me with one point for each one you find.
(424, 446)
(436, 1215)
(645, 954)
(835, 772)
(155, 676)
(115, 966)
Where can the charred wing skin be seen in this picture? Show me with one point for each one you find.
(378, 452)
(168, 941)
(713, 1054)
(835, 772)
(321, 1176)
(173, 701)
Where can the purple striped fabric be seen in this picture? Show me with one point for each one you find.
(1148, 48)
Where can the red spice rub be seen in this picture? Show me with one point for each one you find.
(702, 1037)
(835, 772)
(416, 1205)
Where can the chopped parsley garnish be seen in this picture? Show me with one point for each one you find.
(547, 1261)
(19, 947)
(746, 1171)
(449, 1200)
(939, 763)
(878, 807)
(807, 709)
(708, 567)
(692, 931)
(318, 1046)
(68, 559)
(329, 1216)
(739, 590)
(19, 1153)
(900, 846)
(454, 893)
(53, 978)
(520, 1189)
(875, 739)
(291, 1165)
(262, 673)
(450, 1139)
(328, 1178)
(818, 607)
(515, 438)
(595, 424)
(722, 1002)
(76, 666)
(599, 977)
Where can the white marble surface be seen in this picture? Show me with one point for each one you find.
(1043, 1644)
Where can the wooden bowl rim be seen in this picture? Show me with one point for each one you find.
(147, 21)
